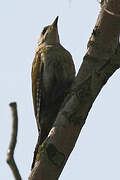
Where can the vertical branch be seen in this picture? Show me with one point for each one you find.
(10, 155)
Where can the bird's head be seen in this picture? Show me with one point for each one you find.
(49, 34)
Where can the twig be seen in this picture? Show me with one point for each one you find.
(10, 155)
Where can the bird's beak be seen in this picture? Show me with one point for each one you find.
(54, 24)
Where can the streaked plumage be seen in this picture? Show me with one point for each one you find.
(53, 72)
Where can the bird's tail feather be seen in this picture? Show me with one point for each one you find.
(41, 137)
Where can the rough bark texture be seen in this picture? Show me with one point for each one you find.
(100, 62)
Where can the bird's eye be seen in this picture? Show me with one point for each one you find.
(44, 30)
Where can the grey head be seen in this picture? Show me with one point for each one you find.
(49, 34)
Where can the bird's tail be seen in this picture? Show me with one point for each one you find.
(35, 151)
(41, 137)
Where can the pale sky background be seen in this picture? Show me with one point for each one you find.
(96, 155)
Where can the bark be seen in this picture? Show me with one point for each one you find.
(100, 62)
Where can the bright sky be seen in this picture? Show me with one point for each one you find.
(97, 151)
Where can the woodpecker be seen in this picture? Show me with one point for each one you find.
(53, 72)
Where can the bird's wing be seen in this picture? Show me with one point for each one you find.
(64, 72)
(36, 85)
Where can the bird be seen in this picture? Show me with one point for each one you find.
(53, 72)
